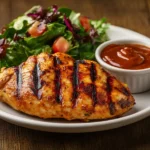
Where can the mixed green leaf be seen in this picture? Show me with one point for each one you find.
(38, 30)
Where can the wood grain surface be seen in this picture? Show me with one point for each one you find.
(132, 14)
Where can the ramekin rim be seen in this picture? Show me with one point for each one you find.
(120, 41)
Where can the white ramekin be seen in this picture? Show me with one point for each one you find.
(137, 80)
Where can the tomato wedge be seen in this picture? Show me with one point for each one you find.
(60, 45)
(85, 23)
(37, 29)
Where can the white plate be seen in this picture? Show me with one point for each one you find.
(140, 110)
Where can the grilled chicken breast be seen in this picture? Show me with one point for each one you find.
(57, 86)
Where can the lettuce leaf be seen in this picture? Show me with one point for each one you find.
(18, 52)
(101, 27)
(53, 30)
(65, 11)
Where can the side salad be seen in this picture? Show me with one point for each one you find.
(50, 30)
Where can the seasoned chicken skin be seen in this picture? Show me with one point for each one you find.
(57, 86)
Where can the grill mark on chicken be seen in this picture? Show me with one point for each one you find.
(36, 80)
(93, 78)
(124, 103)
(76, 80)
(57, 61)
(93, 72)
(109, 99)
(75, 83)
(18, 71)
(124, 91)
(57, 80)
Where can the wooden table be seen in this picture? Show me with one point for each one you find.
(132, 14)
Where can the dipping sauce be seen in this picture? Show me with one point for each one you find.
(127, 56)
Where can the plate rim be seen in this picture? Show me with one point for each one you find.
(145, 111)
(122, 121)
(128, 30)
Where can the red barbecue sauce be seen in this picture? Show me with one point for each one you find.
(127, 56)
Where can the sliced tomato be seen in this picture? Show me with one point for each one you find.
(60, 45)
(37, 29)
(85, 22)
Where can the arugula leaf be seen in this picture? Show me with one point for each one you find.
(87, 55)
(44, 48)
(21, 52)
(86, 51)
(68, 35)
(74, 52)
(15, 50)
(9, 33)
